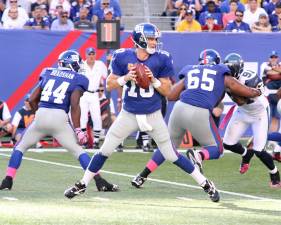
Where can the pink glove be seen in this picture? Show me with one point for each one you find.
(81, 135)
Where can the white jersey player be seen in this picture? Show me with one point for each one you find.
(96, 72)
(252, 113)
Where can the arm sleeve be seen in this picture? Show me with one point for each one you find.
(16, 119)
(6, 112)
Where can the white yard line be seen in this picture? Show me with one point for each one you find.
(151, 179)
(42, 150)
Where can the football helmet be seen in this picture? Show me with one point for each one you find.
(70, 59)
(209, 57)
(235, 63)
(142, 32)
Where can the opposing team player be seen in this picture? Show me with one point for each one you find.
(58, 90)
(201, 88)
(254, 113)
(142, 107)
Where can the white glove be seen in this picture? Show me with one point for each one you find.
(260, 87)
(81, 136)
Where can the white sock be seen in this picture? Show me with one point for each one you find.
(274, 170)
(88, 176)
(245, 151)
(198, 177)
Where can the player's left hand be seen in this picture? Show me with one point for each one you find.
(260, 87)
(81, 135)
(150, 74)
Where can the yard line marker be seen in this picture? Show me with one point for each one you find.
(10, 198)
(151, 179)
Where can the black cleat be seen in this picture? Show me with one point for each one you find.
(147, 148)
(138, 181)
(275, 180)
(213, 193)
(119, 148)
(77, 189)
(195, 158)
(103, 185)
(96, 145)
(7, 183)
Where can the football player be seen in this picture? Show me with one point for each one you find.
(141, 107)
(254, 113)
(200, 89)
(58, 90)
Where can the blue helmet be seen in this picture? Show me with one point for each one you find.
(235, 63)
(70, 59)
(142, 32)
(209, 57)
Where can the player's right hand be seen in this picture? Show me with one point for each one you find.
(131, 75)
(81, 136)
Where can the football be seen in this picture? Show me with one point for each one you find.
(142, 79)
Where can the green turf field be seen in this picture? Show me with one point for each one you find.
(170, 198)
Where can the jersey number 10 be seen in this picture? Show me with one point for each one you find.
(58, 93)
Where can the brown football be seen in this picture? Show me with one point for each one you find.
(142, 79)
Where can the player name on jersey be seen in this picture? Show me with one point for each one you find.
(59, 73)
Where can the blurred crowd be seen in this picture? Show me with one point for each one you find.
(62, 15)
(186, 15)
(227, 15)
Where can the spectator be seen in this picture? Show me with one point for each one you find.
(170, 8)
(42, 3)
(210, 25)
(83, 23)
(5, 117)
(278, 27)
(230, 16)
(25, 4)
(262, 25)
(53, 7)
(22, 14)
(101, 5)
(22, 119)
(238, 25)
(38, 21)
(211, 8)
(63, 23)
(252, 13)
(269, 7)
(226, 6)
(189, 24)
(2, 8)
(13, 21)
(271, 74)
(216, 6)
(180, 14)
(273, 18)
(57, 13)
(76, 5)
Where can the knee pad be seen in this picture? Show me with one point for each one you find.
(236, 148)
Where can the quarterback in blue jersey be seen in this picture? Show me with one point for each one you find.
(58, 90)
(201, 87)
(141, 107)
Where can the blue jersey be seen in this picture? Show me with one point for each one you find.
(204, 84)
(137, 100)
(57, 86)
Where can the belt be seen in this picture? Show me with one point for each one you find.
(93, 91)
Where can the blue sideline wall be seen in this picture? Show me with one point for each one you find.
(22, 51)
